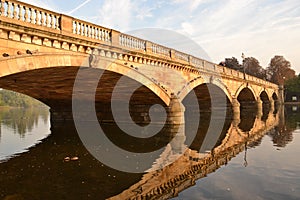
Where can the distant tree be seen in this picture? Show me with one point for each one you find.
(10, 98)
(279, 70)
(293, 84)
(232, 63)
(252, 67)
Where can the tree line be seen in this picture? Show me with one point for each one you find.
(14, 99)
(278, 71)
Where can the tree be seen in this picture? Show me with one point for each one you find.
(279, 70)
(252, 67)
(9, 98)
(293, 84)
(232, 63)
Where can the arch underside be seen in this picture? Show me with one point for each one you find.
(54, 86)
(60, 70)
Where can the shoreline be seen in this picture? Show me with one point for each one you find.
(292, 103)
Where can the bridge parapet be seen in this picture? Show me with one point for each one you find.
(23, 12)
(30, 24)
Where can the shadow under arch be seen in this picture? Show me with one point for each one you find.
(266, 105)
(25, 69)
(207, 136)
(246, 98)
(203, 80)
(275, 98)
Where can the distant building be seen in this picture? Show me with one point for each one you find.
(292, 97)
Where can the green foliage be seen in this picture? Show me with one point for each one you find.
(13, 99)
(293, 85)
(233, 63)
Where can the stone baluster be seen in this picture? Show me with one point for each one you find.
(84, 29)
(93, 32)
(100, 34)
(97, 33)
(76, 28)
(9, 9)
(90, 33)
(57, 23)
(51, 21)
(26, 15)
(20, 8)
(42, 18)
(2, 2)
(81, 29)
(47, 20)
(38, 18)
(32, 17)
(15, 11)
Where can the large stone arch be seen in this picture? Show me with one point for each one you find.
(203, 80)
(243, 86)
(264, 96)
(24, 63)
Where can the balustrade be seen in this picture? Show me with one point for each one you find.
(181, 56)
(197, 62)
(30, 14)
(132, 42)
(92, 31)
(161, 50)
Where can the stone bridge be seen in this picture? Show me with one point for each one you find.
(43, 51)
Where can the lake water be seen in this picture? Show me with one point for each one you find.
(255, 157)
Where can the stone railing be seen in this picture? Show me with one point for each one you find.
(90, 30)
(131, 42)
(160, 50)
(30, 14)
(92, 35)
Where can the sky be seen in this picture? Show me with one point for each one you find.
(223, 29)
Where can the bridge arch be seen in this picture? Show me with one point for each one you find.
(264, 97)
(275, 96)
(246, 97)
(245, 86)
(16, 65)
(203, 80)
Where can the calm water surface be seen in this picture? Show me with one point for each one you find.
(256, 157)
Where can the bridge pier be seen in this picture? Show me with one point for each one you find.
(175, 112)
(60, 115)
(259, 104)
(236, 108)
(272, 105)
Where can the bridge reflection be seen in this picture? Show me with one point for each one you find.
(194, 164)
(42, 172)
